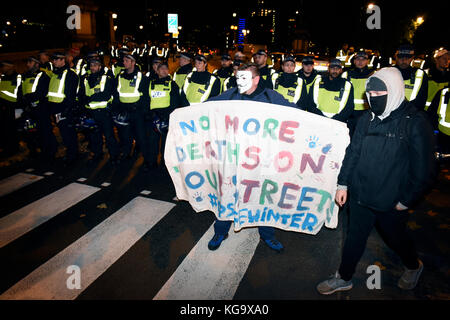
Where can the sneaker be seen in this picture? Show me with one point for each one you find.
(215, 242)
(409, 278)
(274, 244)
(335, 283)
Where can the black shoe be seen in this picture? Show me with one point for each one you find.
(216, 241)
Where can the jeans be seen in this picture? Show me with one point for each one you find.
(222, 227)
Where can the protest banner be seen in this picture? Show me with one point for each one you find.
(257, 164)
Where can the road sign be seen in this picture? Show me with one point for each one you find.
(172, 22)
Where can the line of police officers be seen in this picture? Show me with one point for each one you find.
(139, 105)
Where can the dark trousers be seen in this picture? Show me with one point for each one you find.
(9, 140)
(136, 129)
(390, 225)
(104, 122)
(69, 137)
(222, 227)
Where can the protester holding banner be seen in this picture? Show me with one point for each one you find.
(247, 89)
(386, 169)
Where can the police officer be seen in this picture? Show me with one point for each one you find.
(226, 70)
(44, 61)
(152, 74)
(31, 97)
(438, 75)
(342, 53)
(129, 98)
(260, 58)
(61, 98)
(118, 66)
(307, 72)
(415, 79)
(200, 85)
(96, 95)
(164, 97)
(439, 112)
(9, 86)
(358, 77)
(289, 84)
(230, 82)
(331, 95)
(248, 88)
(185, 63)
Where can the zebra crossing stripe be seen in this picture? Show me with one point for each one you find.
(16, 182)
(93, 253)
(212, 275)
(27, 218)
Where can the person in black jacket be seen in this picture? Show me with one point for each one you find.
(61, 96)
(31, 97)
(386, 168)
(163, 95)
(248, 79)
(96, 95)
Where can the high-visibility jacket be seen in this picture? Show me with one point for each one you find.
(99, 87)
(129, 89)
(359, 90)
(180, 75)
(437, 80)
(30, 83)
(116, 69)
(56, 87)
(413, 84)
(328, 102)
(444, 112)
(159, 94)
(291, 93)
(9, 88)
(197, 92)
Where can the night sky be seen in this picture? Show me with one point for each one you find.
(329, 23)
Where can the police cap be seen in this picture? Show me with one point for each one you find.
(200, 57)
(308, 60)
(58, 55)
(260, 52)
(335, 63)
(405, 51)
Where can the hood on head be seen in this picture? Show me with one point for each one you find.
(393, 80)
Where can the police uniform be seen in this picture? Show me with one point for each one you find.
(61, 97)
(31, 97)
(437, 79)
(164, 97)
(96, 95)
(439, 112)
(290, 86)
(309, 80)
(358, 78)
(181, 73)
(129, 98)
(200, 86)
(415, 79)
(224, 72)
(332, 98)
(9, 87)
(265, 73)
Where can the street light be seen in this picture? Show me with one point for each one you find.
(419, 20)
(114, 15)
(370, 6)
(115, 28)
(141, 27)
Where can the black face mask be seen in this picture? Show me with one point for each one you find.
(378, 104)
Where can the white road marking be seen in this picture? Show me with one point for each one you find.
(29, 217)
(94, 253)
(212, 275)
(16, 182)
